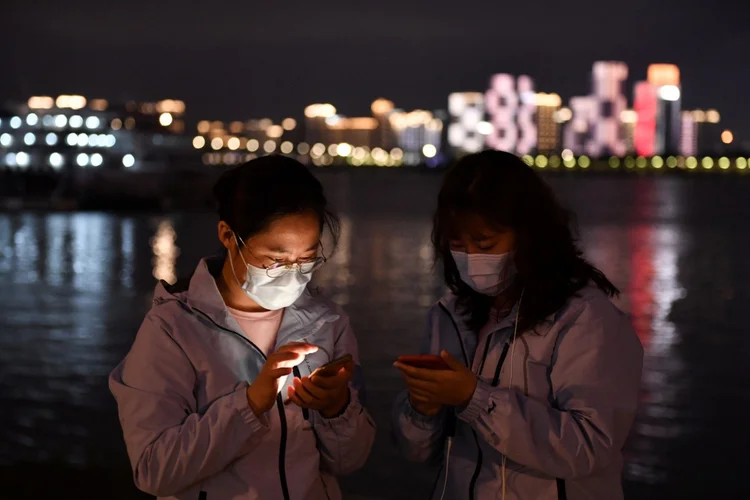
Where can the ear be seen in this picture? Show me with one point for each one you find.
(226, 236)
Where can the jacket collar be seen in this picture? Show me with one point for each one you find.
(300, 320)
(449, 302)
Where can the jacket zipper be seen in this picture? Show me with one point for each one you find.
(279, 404)
(478, 468)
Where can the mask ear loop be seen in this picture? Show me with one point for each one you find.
(231, 264)
(510, 382)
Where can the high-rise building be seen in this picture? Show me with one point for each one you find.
(577, 133)
(315, 122)
(629, 119)
(708, 131)
(608, 80)
(467, 113)
(384, 137)
(353, 131)
(548, 126)
(417, 133)
(511, 105)
(689, 134)
(645, 105)
(665, 78)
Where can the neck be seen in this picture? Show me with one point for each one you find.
(231, 292)
(503, 303)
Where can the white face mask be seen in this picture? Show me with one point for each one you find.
(485, 273)
(272, 293)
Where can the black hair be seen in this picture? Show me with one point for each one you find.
(505, 192)
(251, 196)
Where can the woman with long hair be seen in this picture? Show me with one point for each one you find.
(542, 372)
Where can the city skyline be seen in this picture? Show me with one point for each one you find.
(233, 61)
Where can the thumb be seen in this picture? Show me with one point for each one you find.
(453, 363)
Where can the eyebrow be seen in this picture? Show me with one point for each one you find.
(284, 250)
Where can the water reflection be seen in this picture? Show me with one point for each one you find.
(336, 276)
(165, 250)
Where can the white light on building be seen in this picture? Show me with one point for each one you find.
(32, 119)
(96, 159)
(111, 141)
(199, 142)
(128, 161)
(61, 121)
(51, 139)
(92, 122)
(23, 159)
(82, 159)
(6, 140)
(10, 159)
(165, 119)
(76, 121)
(429, 151)
(669, 92)
(56, 160)
(15, 122)
(93, 141)
(287, 147)
(48, 121)
(29, 139)
(82, 140)
(269, 146)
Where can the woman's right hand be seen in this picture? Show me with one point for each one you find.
(261, 395)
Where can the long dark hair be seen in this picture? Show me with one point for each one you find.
(506, 192)
(251, 196)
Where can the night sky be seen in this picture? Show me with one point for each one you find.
(243, 59)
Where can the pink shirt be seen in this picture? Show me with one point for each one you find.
(259, 327)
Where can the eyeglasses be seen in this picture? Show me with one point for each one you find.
(278, 269)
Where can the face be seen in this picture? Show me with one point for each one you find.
(287, 240)
(476, 236)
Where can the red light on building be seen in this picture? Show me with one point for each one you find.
(646, 105)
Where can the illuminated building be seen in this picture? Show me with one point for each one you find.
(237, 142)
(645, 105)
(577, 134)
(417, 134)
(315, 122)
(708, 131)
(689, 134)
(511, 105)
(70, 131)
(354, 131)
(548, 125)
(628, 120)
(467, 113)
(381, 110)
(606, 137)
(665, 78)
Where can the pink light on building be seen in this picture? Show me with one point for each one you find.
(511, 104)
(646, 105)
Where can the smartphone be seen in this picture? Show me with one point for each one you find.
(332, 367)
(427, 361)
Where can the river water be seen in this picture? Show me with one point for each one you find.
(75, 287)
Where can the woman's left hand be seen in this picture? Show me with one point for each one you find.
(452, 387)
(328, 395)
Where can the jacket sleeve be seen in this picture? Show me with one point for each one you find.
(595, 377)
(171, 444)
(345, 441)
(420, 438)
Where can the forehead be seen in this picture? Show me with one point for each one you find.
(470, 223)
(289, 233)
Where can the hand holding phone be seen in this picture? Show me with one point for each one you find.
(426, 361)
(332, 367)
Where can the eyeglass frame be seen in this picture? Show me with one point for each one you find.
(317, 262)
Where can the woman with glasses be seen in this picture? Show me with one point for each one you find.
(217, 397)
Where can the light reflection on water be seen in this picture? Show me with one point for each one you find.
(76, 287)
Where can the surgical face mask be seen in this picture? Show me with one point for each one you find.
(486, 273)
(274, 292)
